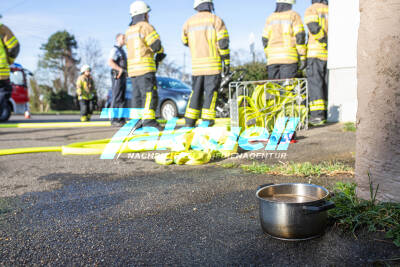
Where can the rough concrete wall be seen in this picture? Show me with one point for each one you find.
(378, 117)
(342, 95)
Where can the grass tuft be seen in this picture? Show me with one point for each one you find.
(230, 165)
(306, 169)
(4, 206)
(349, 127)
(352, 213)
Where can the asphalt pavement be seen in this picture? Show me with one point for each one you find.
(80, 210)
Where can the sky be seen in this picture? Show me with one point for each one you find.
(33, 21)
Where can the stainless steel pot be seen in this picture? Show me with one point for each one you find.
(293, 211)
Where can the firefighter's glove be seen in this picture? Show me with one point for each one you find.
(324, 41)
(303, 64)
(159, 58)
(227, 68)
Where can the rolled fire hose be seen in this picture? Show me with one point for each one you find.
(262, 112)
(249, 115)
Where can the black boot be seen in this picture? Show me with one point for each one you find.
(211, 123)
(153, 123)
(318, 121)
(191, 123)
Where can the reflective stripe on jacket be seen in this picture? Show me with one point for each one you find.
(280, 30)
(139, 39)
(85, 88)
(9, 48)
(317, 13)
(208, 40)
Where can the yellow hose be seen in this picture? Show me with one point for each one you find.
(95, 147)
(248, 110)
(15, 151)
(263, 112)
(179, 155)
(33, 125)
(85, 148)
(56, 125)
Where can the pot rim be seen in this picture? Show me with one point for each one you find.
(294, 204)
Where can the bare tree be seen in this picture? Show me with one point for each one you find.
(169, 69)
(92, 54)
(378, 118)
(243, 56)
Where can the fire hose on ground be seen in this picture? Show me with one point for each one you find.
(257, 108)
(180, 149)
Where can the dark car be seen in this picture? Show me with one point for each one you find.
(173, 96)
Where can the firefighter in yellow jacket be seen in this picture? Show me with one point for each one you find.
(145, 52)
(316, 19)
(207, 37)
(86, 92)
(284, 41)
(9, 50)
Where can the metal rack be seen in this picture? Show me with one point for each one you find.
(269, 106)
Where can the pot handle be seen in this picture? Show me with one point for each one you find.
(264, 185)
(326, 206)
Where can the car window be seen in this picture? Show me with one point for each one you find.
(167, 83)
(17, 77)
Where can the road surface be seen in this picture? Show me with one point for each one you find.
(80, 210)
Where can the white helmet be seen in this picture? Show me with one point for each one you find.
(139, 7)
(199, 2)
(85, 68)
(292, 2)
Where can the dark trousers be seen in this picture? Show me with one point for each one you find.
(86, 107)
(317, 76)
(203, 98)
(5, 92)
(118, 94)
(282, 71)
(145, 95)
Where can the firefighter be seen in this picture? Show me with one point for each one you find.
(86, 92)
(284, 41)
(207, 37)
(118, 62)
(316, 19)
(145, 53)
(9, 50)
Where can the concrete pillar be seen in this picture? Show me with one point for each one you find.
(378, 116)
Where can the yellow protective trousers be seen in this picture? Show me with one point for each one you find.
(317, 76)
(145, 95)
(203, 98)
